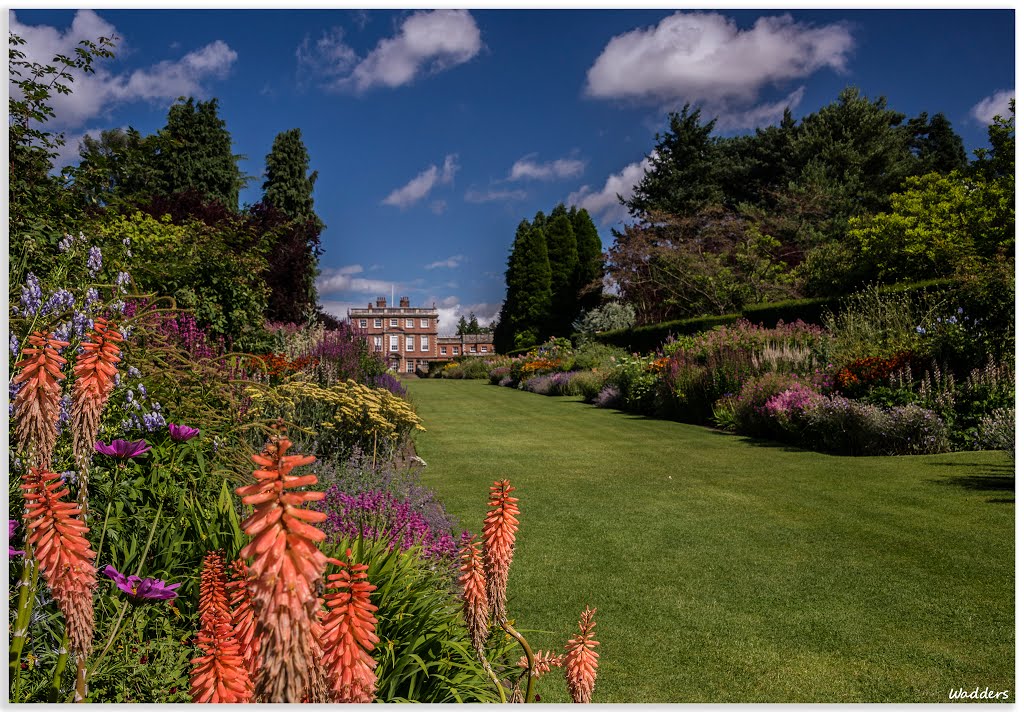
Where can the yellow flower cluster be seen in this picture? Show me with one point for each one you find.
(349, 411)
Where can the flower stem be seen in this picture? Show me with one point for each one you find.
(58, 670)
(530, 663)
(110, 501)
(26, 599)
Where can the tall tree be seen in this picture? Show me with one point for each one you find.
(680, 180)
(294, 259)
(590, 267)
(936, 144)
(527, 305)
(474, 325)
(463, 326)
(117, 168)
(289, 183)
(564, 261)
(194, 153)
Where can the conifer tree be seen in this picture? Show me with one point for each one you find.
(194, 154)
(288, 207)
(526, 310)
(590, 260)
(564, 261)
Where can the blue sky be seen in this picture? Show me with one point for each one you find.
(435, 133)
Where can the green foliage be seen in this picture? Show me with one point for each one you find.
(528, 298)
(193, 151)
(877, 323)
(563, 260)
(936, 225)
(607, 317)
(424, 654)
(590, 261)
(289, 184)
(201, 266)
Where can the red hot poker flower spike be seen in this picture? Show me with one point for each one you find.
(474, 593)
(349, 634)
(500, 526)
(286, 565)
(581, 659)
(243, 616)
(94, 372)
(57, 537)
(37, 405)
(218, 673)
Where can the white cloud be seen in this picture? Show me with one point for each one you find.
(492, 196)
(528, 169)
(450, 308)
(326, 58)
(704, 58)
(605, 202)
(420, 186)
(96, 94)
(450, 263)
(438, 207)
(987, 108)
(343, 279)
(68, 153)
(428, 42)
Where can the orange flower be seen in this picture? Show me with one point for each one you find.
(474, 593)
(57, 537)
(37, 405)
(243, 617)
(94, 380)
(349, 633)
(542, 663)
(219, 673)
(286, 566)
(581, 659)
(500, 527)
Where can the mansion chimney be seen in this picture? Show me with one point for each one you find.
(404, 302)
(381, 302)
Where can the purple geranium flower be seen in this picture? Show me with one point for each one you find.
(11, 526)
(142, 590)
(181, 433)
(122, 449)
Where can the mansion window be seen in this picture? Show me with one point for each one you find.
(410, 343)
(408, 323)
(378, 343)
(378, 323)
(394, 322)
(362, 323)
(424, 323)
(394, 342)
(409, 366)
(444, 350)
(424, 343)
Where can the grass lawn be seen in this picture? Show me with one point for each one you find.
(728, 570)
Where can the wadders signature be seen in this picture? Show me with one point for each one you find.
(978, 694)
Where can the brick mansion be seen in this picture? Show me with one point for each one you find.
(408, 336)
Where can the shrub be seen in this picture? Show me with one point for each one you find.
(609, 397)
(839, 425)
(995, 431)
(586, 384)
(750, 415)
(496, 375)
(596, 355)
(538, 384)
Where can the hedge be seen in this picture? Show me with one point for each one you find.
(650, 337)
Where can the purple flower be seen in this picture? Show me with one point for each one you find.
(122, 449)
(142, 590)
(182, 433)
(31, 295)
(95, 261)
(11, 526)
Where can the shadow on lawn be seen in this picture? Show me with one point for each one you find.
(983, 478)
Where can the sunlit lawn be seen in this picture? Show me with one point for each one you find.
(726, 570)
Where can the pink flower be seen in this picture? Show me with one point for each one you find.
(142, 590)
(12, 552)
(122, 449)
(182, 433)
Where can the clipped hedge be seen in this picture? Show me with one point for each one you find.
(647, 338)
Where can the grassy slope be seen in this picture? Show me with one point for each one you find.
(725, 570)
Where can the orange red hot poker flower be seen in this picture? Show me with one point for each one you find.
(500, 526)
(243, 617)
(349, 633)
(219, 673)
(286, 566)
(474, 593)
(37, 405)
(581, 659)
(94, 370)
(57, 537)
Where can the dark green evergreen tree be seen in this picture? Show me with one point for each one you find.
(194, 154)
(681, 179)
(525, 313)
(936, 144)
(564, 262)
(463, 326)
(590, 260)
(289, 183)
(294, 258)
(474, 325)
